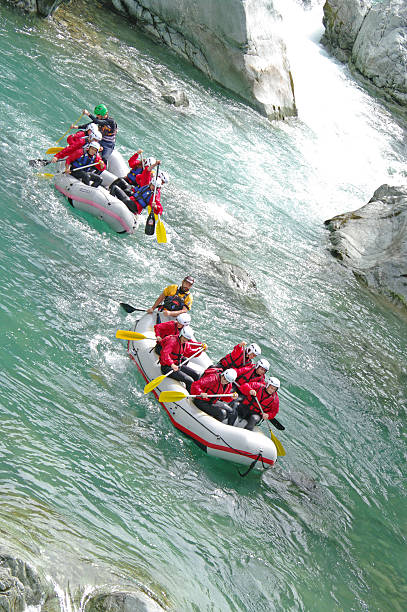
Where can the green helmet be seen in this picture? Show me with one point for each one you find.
(100, 109)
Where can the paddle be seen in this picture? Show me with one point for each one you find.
(53, 150)
(150, 222)
(48, 174)
(174, 396)
(156, 381)
(278, 445)
(68, 130)
(129, 308)
(123, 334)
(39, 162)
(277, 424)
(160, 232)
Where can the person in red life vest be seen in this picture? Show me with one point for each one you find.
(216, 383)
(170, 328)
(240, 356)
(266, 394)
(252, 372)
(79, 140)
(144, 178)
(85, 157)
(107, 125)
(174, 350)
(174, 300)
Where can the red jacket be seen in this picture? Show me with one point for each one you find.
(234, 359)
(247, 373)
(174, 352)
(78, 153)
(144, 177)
(269, 402)
(168, 328)
(134, 161)
(210, 384)
(75, 141)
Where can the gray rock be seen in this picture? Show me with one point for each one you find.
(122, 602)
(234, 42)
(372, 241)
(42, 7)
(177, 97)
(372, 36)
(236, 277)
(20, 586)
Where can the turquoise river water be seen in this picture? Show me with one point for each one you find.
(96, 485)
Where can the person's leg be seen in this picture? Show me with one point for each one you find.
(81, 175)
(254, 419)
(179, 375)
(212, 409)
(95, 178)
(107, 150)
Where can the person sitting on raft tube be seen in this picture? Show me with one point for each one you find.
(138, 198)
(170, 328)
(174, 300)
(139, 177)
(253, 372)
(240, 356)
(266, 394)
(107, 125)
(216, 383)
(79, 140)
(174, 350)
(85, 157)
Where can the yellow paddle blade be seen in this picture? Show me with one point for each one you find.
(130, 335)
(279, 446)
(172, 396)
(45, 175)
(54, 150)
(161, 233)
(154, 383)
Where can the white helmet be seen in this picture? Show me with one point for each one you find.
(156, 182)
(95, 144)
(184, 318)
(96, 134)
(230, 375)
(187, 332)
(164, 177)
(263, 363)
(253, 348)
(150, 161)
(273, 381)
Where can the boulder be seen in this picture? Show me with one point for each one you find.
(42, 7)
(122, 601)
(372, 241)
(234, 42)
(20, 585)
(372, 37)
(177, 97)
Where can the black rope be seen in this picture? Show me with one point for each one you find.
(251, 466)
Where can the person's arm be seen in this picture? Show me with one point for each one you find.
(100, 163)
(174, 313)
(134, 159)
(271, 411)
(157, 303)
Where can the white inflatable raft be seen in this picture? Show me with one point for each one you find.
(97, 201)
(232, 443)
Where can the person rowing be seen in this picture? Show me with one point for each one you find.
(83, 158)
(90, 133)
(170, 328)
(138, 198)
(241, 355)
(139, 176)
(174, 350)
(255, 393)
(217, 383)
(254, 372)
(108, 127)
(174, 300)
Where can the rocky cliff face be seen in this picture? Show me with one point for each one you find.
(372, 241)
(234, 42)
(372, 36)
(42, 7)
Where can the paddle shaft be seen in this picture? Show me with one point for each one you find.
(278, 445)
(129, 308)
(63, 135)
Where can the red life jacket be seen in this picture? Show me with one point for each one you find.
(248, 374)
(236, 361)
(174, 352)
(211, 384)
(168, 328)
(269, 402)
